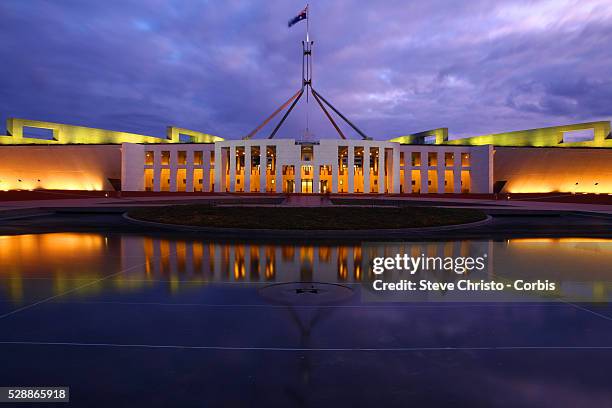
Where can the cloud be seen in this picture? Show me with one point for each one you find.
(394, 67)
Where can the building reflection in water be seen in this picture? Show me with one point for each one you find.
(67, 261)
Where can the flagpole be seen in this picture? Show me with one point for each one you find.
(307, 22)
(308, 67)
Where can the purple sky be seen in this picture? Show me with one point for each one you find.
(393, 67)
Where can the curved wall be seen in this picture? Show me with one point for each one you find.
(552, 169)
(68, 167)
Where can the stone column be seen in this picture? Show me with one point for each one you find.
(396, 170)
(278, 179)
(441, 172)
(424, 173)
(334, 169)
(263, 166)
(366, 169)
(381, 170)
(316, 177)
(219, 169)
(173, 162)
(189, 172)
(232, 168)
(298, 176)
(205, 170)
(407, 173)
(457, 173)
(351, 170)
(247, 169)
(157, 171)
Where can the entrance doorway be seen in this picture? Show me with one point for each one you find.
(324, 189)
(307, 186)
(289, 186)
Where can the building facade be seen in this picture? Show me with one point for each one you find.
(289, 166)
(533, 161)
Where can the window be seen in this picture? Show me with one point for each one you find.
(465, 159)
(183, 138)
(38, 133)
(416, 159)
(198, 174)
(432, 159)
(582, 135)
(164, 180)
(449, 159)
(149, 182)
(165, 157)
(149, 158)
(197, 158)
(342, 157)
(182, 157)
(307, 153)
(181, 180)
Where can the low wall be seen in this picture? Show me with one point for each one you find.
(66, 167)
(550, 169)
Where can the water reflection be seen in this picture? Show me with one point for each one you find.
(91, 262)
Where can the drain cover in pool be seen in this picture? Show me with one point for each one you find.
(306, 293)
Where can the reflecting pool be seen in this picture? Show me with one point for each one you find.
(168, 320)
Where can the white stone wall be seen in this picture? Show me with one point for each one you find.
(133, 164)
(62, 167)
(325, 153)
(480, 167)
(132, 167)
(288, 153)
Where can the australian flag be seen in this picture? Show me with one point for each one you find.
(302, 16)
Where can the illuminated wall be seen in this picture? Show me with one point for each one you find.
(176, 167)
(542, 137)
(433, 136)
(59, 167)
(68, 134)
(80, 158)
(545, 170)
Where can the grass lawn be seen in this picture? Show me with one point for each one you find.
(307, 218)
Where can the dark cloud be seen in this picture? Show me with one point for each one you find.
(221, 67)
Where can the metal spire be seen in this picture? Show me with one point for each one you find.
(307, 87)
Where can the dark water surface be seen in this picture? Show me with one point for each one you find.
(153, 320)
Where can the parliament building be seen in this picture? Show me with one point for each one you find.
(574, 158)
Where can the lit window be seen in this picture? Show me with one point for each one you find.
(149, 158)
(165, 157)
(182, 157)
(432, 159)
(197, 158)
(449, 159)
